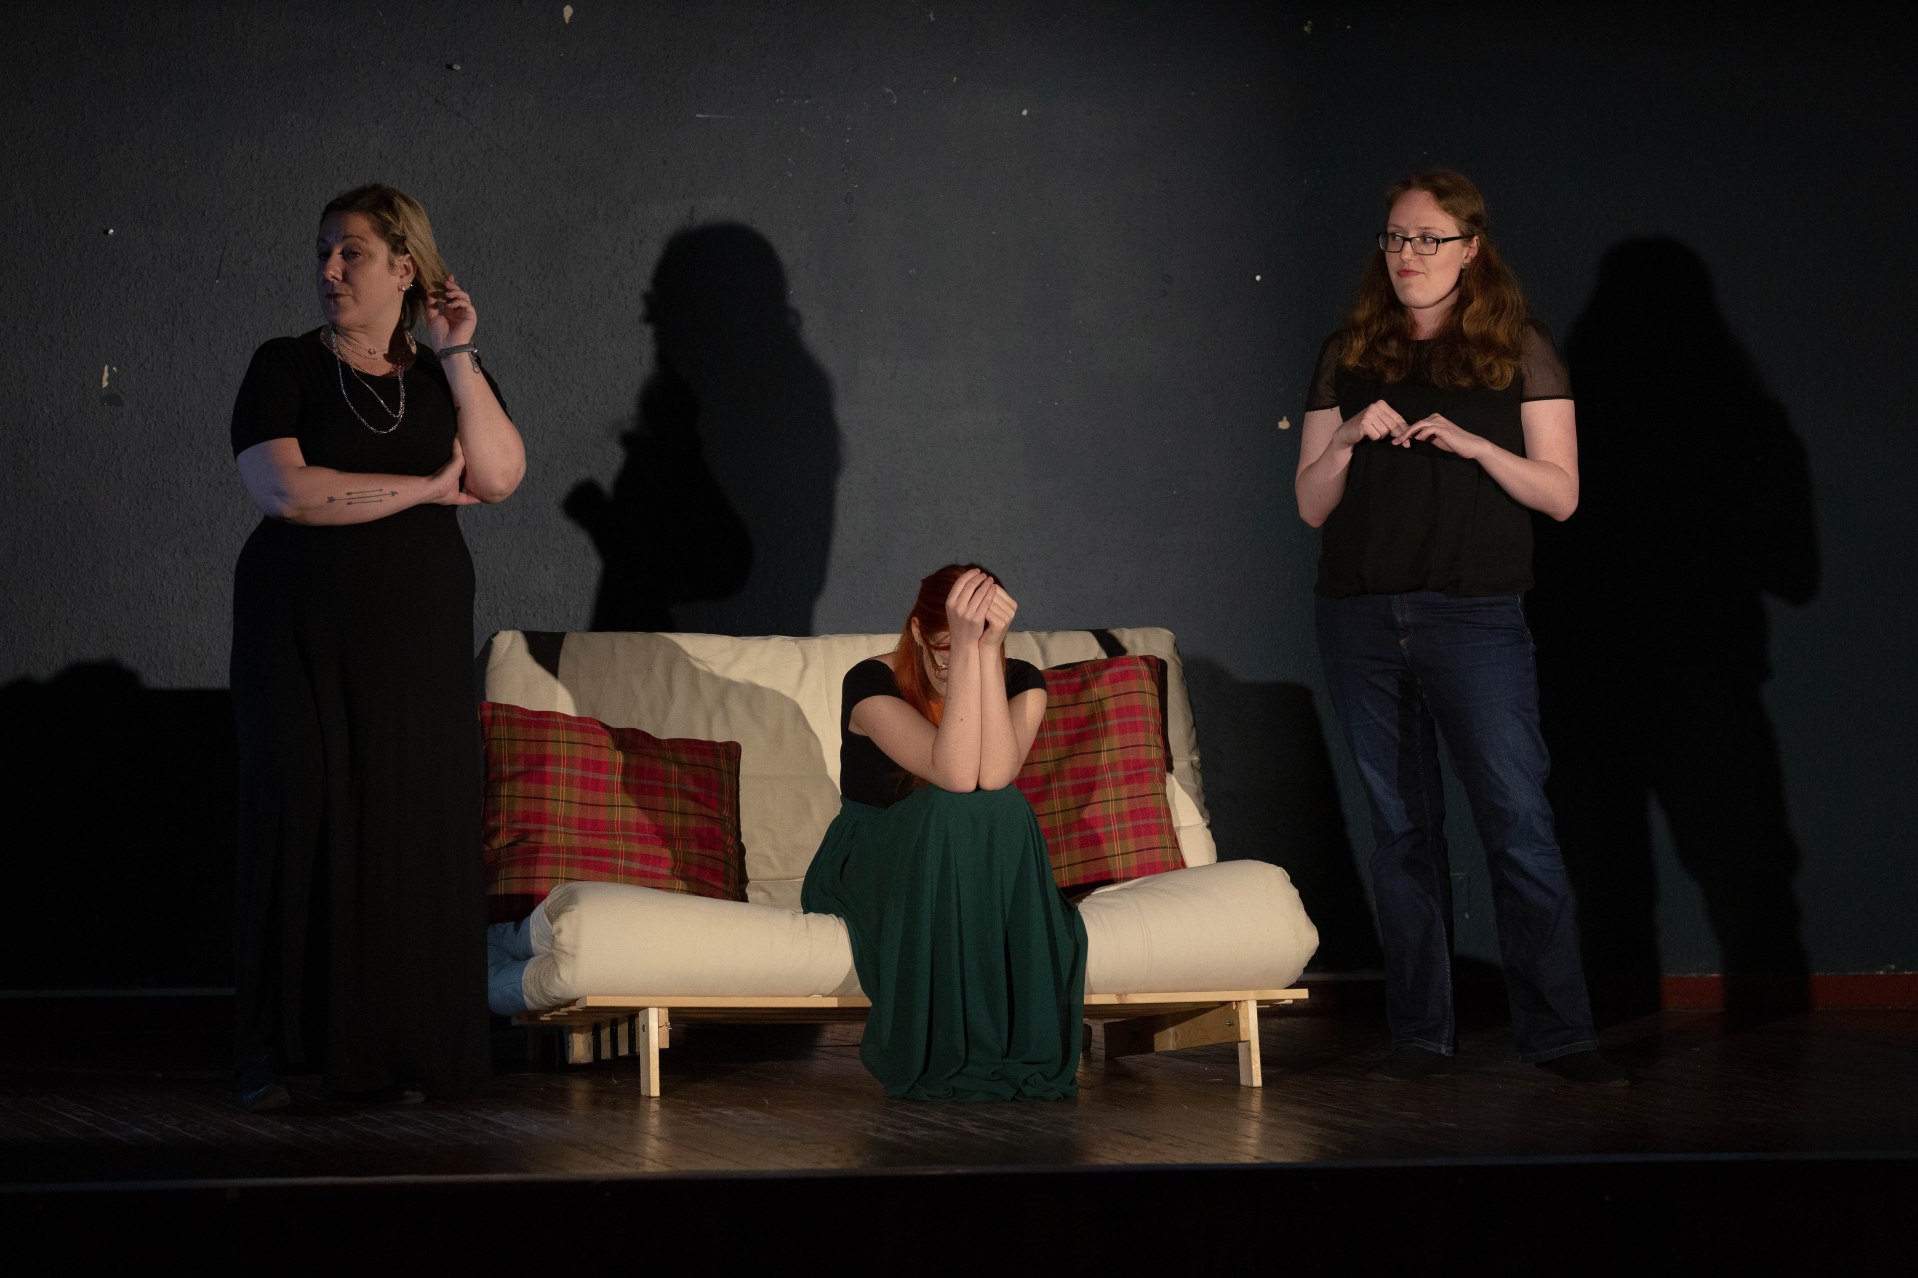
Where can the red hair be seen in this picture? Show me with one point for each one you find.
(1478, 342)
(929, 610)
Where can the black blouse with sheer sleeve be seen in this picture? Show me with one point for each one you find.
(1420, 518)
(866, 775)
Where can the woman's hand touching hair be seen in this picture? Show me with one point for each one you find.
(1000, 610)
(968, 604)
(450, 317)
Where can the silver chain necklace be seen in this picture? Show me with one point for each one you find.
(333, 340)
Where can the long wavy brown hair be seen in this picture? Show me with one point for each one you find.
(929, 610)
(1479, 340)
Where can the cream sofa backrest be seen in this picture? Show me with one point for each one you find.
(779, 698)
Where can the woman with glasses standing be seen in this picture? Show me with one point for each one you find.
(974, 961)
(1439, 418)
(360, 931)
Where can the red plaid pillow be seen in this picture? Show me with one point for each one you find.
(1096, 774)
(569, 798)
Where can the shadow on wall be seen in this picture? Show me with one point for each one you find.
(721, 517)
(1652, 636)
(128, 876)
(1273, 796)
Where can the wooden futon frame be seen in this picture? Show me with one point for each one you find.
(605, 1026)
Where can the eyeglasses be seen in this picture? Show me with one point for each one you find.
(938, 654)
(1423, 245)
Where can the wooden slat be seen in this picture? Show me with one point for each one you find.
(1173, 1030)
(766, 1016)
(1166, 1000)
(604, 1026)
(1200, 996)
(607, 1001)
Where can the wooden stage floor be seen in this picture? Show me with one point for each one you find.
(1731, 1121)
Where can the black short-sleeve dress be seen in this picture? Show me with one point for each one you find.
(360, 942)
(972, 957)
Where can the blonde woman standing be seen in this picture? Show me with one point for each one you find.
(360, 930)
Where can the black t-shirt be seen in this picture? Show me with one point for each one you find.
(866, 775)
(1420, 518)
(293, 390)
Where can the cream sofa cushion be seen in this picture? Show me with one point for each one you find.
(615, 938)
(1231, 925)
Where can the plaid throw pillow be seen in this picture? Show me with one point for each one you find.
(569, 798)
(1096, 774)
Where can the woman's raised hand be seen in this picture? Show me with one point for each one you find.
(1001, 608)
(450, 317)
(1378, 420)
(967, 604)
(443, 485)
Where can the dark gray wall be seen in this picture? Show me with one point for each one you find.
(1054, 274)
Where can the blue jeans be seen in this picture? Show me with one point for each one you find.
(1405, 671)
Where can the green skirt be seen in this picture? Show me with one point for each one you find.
(974, 961)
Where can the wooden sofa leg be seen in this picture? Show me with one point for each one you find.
(1234, 1022)
(579, 1044)
(652, 1026)
(1251, 1068)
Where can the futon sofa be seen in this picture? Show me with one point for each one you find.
(1179, 958)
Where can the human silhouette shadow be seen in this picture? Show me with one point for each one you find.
(1650, 622)
(720, 519)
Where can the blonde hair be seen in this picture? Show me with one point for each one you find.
(403, 226)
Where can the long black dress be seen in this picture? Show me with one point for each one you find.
(360, 936)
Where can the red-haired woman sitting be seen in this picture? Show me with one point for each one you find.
(973, 960)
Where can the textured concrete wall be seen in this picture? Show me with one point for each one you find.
(1032, 284)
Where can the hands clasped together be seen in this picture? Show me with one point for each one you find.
(1381, 421)
(1542, 476)
(981, 740)
(979, 610)
(982, 735)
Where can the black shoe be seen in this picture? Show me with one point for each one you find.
(258, 1090)
(1589, 1068)
(1406, 1062)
